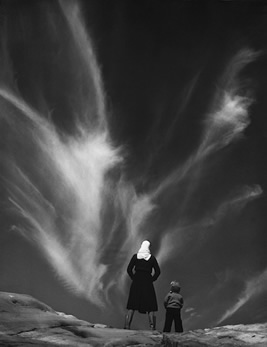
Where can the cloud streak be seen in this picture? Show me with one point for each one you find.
(253, 287)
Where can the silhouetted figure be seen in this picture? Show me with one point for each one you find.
(143, 270)
(173, 304)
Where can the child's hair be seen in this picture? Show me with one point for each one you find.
(175, 286)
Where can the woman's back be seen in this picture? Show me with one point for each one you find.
(137, 265)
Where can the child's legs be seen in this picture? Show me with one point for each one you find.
(168, 321)
(178, 321)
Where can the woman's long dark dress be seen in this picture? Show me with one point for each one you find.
(142, 296)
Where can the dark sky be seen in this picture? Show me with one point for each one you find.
(135, 120)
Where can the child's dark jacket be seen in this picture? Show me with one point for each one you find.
(173, 300)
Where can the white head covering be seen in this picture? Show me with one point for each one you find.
(144, 251)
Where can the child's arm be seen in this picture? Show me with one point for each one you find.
(182, 302)
(166, 299)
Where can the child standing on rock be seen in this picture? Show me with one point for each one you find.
(173, 304)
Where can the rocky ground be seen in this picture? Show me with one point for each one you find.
(25, 321)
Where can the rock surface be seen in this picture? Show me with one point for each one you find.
(229, 335)
(25, 321)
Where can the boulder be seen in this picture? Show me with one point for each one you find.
(25, 321)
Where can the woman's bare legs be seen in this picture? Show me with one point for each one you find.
(128, 319)
(152, 320)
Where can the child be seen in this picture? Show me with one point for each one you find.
(173, 303)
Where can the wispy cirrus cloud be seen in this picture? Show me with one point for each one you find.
(253, 287)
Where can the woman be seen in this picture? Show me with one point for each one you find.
(143, 270)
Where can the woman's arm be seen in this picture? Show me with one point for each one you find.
(131, 265)
(156, 270)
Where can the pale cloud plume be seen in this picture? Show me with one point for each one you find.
(223, 124)
(253, 287)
